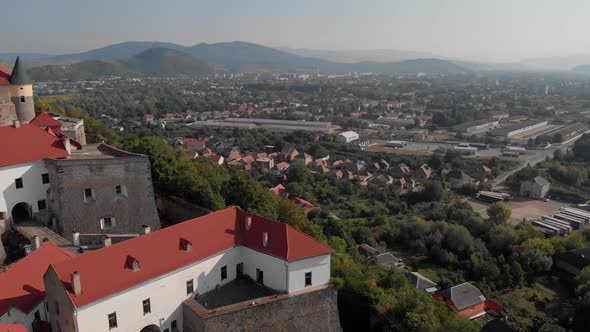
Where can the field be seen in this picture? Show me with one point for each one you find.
(522, 208)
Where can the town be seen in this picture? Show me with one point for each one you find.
(153, 186)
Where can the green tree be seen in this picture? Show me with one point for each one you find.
(499, 213)
(242, 190)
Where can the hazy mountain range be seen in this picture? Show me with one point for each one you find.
(166, 59)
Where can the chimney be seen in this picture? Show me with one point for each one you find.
(107, 241)
(248, 222)
(66, 142)
(265, 239)
(16, 124)
(76, 284)
(146, 229)
(36, 242)
(76, 238)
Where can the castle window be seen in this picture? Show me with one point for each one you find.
(88, 195)
(22, 99)
(112, 320)
(42, 204)
(147, 307)
(307, 279)
(120, 191)
(189, 287)
(108, 223)
(18, 183)
(224, 272)
(174, 325)
(45, 178)
(57, 307)
(37, 315)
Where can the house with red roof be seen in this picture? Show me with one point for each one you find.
(13, 328)
(24, 179)
(152, 280)
(22, 291)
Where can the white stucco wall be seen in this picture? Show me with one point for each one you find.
(18, 317)
(274, 269)
(318, 266)
(33, 188)
(21, 90)
(167, 292)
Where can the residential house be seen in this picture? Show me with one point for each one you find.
(458, 178)
(421, 282)
(537, 188)
(467, 300)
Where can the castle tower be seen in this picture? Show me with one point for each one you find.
(21, 93)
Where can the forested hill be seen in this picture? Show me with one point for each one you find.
(152, 62)
(168, 59)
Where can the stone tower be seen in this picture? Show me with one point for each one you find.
(21, 93)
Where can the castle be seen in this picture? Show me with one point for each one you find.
(50, 177)
(16, 95)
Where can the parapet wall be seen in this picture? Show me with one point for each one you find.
(314, 310)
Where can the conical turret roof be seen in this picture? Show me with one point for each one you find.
(19, 75)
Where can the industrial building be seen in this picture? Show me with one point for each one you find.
(347, 137)
(563, 222)
(476, 126)
(519, 128)
(269, 124)
(566, 133)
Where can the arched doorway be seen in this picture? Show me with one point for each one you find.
(150, 328)
(21, 212)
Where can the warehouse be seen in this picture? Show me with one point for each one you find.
(347, 137)
(519, 128)
(476, 126)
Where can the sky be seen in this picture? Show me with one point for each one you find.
(484, 30)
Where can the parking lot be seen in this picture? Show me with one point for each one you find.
(522, 208)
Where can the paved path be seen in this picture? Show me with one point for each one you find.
(30, 229)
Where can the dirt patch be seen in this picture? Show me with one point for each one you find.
(522, 208)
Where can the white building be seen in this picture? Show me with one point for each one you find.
(347, 137)
(24, 180)
(142, 282)
(22, 292)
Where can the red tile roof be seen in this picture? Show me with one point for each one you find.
(4, 75)
(22, 285)
(279, 190)
(13, 328)
(28, 143)
(103, 272)
(44, 120)
(194, 143)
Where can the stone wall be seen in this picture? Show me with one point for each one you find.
(7, 113)
(70, 177)
(174, 210)
(308, 311)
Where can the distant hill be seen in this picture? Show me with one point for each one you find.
(119, 51)
(167, 62)
(582, 69)
(241, 55)
(139, 57)
(430, 66)
(558, 62)
(152, 62)
(85, 70)
(354, 56)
